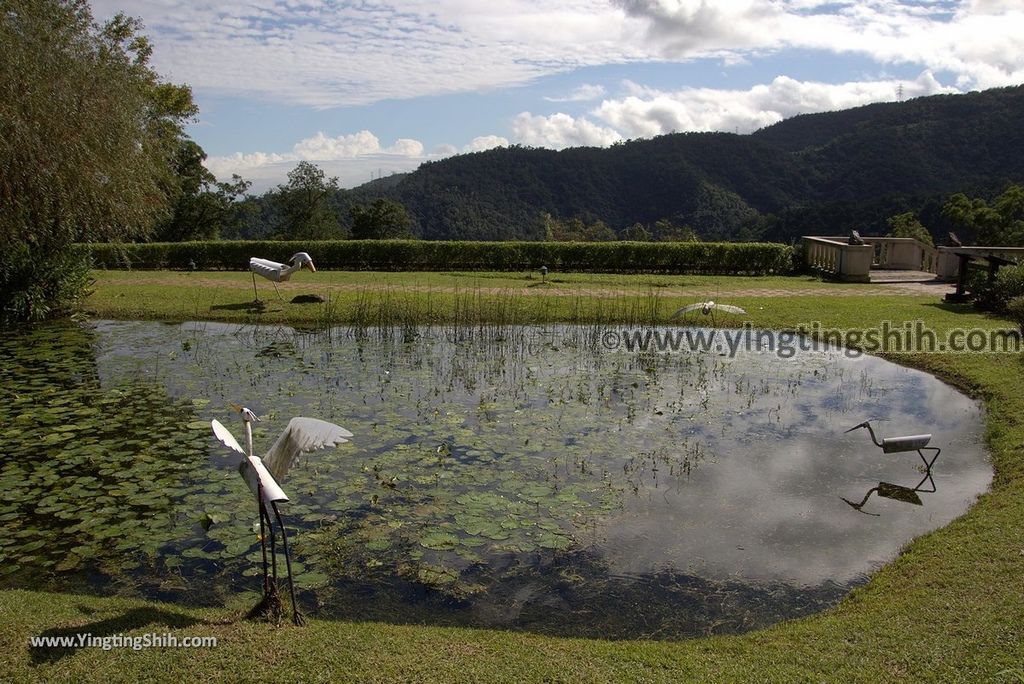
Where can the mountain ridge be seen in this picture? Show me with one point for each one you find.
(847, 168)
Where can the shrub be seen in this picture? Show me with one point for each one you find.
(423, 255)
(41, 284)
(1008, 284)
(1015, 310)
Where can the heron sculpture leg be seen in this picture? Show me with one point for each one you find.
(296, 615)
(255, 292)
(263, 548)
(927, 463)
(269, 606)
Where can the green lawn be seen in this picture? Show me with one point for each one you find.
(950, 608)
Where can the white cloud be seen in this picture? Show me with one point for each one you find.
(646, 112)
(581, 94)
(978, 40)
(485, 142)
(327, 55)
(406, 147)
(344, 146)
(561, 130)
(445, 150)
(330, 54)
(351, 157)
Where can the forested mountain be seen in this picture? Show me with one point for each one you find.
(812, 173)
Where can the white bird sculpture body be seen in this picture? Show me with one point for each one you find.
(278, 273)
(892, 445)
(707, 308)
(303, 435)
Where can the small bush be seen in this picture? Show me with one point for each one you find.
(1008, 284)
(40, 284)
(1015, 310)
(423, 255)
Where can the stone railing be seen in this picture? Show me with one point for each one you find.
(835, 257)
(903, 254)
(948, 266)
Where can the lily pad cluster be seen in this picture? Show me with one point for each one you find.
(483, 458)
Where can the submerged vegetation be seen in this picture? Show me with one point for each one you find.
(947, 608)
(503, 475)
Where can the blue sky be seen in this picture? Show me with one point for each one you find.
(380, 86)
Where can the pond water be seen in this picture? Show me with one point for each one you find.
(505, 477)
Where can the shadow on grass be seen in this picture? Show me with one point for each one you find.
(67, 640)
(966, 307)
(249, 307)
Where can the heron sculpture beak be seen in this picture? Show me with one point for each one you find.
(857, 427)
(246, 413)
(311, 266)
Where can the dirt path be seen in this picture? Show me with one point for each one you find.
(811, 290)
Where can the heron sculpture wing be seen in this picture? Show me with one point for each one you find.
(699, 306)
(729, 308)
(301, 436)
(271, 270)
(225, 436)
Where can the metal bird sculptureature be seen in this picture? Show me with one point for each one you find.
(709, 308)
(278, 273)
(302, 435)
(891, 445)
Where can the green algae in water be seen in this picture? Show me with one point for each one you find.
(516, 477)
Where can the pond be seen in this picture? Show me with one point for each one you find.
(511, 477)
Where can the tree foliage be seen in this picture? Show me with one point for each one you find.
(88, 134)
(906, 225)
(383, 219)
(810, 175)
(203, 208)
(305, 206)
(998, 224)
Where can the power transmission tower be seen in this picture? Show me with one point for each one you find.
(899, 93)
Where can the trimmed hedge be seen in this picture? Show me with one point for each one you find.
(719, 258)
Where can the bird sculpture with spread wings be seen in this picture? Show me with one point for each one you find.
(303, 435)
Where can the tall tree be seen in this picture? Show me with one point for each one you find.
(88, 134)
(204, 208)
(304, 201)
(906, 225)
(384, 219)
(998, 224)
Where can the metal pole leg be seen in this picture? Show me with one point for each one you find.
(296, 616)
(263, 544)
(928, 464)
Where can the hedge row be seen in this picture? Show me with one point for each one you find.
(422, 255)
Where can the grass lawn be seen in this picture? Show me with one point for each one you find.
(949, 608)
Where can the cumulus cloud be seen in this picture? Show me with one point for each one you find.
(485, 142)
(344, 146)
(561, 130)
(978, 40)
(581, 94)
(354, 156)
(445, 150)
(647, 112)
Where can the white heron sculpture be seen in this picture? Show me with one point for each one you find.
(709, 308)
(302, 435)
(892, 445)
(278, 273)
